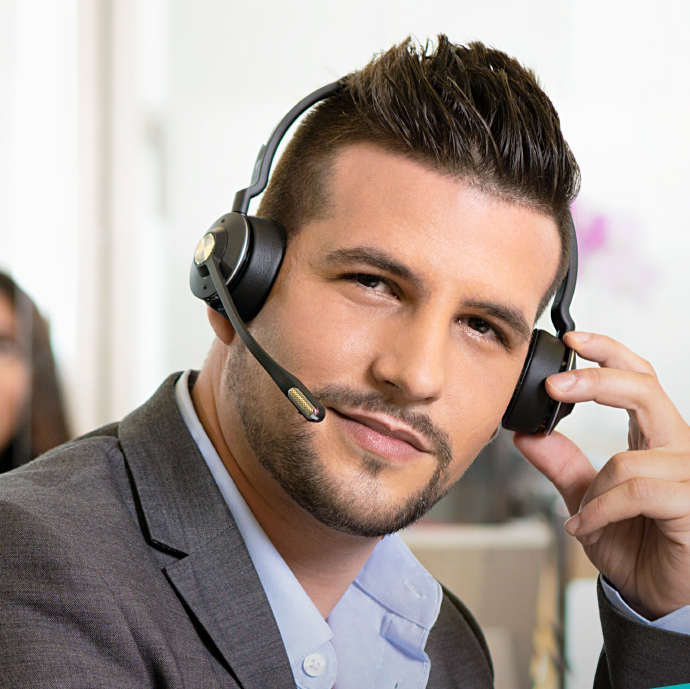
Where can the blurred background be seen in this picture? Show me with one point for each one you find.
(126, 126)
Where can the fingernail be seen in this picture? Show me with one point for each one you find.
(579, 336)
(573, 524)
(563, 381)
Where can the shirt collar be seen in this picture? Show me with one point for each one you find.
(406, 597)
(394, 577)
(301, 626)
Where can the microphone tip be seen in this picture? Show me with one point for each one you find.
(303, 405)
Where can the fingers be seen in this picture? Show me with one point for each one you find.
(625, 473)
(653, 481)
(609, 386)
(628, 387)
(607, 352)
(562, 462)
(654, 464)
(664, 501)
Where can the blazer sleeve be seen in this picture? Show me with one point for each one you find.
(60, 626)
(637, 656)
(457, 649)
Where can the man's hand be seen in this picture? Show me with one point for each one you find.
(632, 517)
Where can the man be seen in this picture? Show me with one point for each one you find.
(213, 538)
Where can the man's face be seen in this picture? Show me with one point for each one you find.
(407, 311)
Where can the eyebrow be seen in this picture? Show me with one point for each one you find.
(511, 316)
(375, 258)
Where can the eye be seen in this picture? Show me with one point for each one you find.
(373, 282)
(486, 329)
(479, 324)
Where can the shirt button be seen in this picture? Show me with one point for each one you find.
(314, 665)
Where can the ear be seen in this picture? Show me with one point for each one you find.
(221, 326)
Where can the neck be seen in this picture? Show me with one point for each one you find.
(324, 561)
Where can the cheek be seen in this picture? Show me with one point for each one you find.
(322, 338)
(14, 395)
(476, 402)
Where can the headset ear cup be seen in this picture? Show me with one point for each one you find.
(249, 252)
(531, 409)
(266, 252)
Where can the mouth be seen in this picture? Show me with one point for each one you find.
(383, 435)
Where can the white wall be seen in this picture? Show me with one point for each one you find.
(39, 160)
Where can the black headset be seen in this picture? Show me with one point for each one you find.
(237, 261)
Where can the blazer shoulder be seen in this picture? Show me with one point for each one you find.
(73, 484)
(83, 459)
(457, 648)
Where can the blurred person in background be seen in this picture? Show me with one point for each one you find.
(32, 412)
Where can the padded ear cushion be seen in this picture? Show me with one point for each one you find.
(530, 407)
(251, 287)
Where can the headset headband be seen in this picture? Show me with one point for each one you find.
(267, 152)
(560, 311)
(242, 255)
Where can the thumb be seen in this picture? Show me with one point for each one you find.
(562, 462)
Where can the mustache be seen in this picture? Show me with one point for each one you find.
(341, 395)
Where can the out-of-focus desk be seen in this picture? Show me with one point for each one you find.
(504, 573)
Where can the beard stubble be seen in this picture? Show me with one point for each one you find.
(283, 443)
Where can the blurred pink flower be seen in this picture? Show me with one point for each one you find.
(610, 249)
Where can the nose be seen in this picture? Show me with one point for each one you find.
(412, 358)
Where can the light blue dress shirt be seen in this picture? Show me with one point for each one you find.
(676, 621)
(374, 638)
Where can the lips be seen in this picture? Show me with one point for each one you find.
(383, 435)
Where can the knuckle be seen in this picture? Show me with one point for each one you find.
(647, 386)
(651, 382)
(621, 467)
(593, 375)
(595, 510)
(639, 489)
(648, 369)
(567, 467)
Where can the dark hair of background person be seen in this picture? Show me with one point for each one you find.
(468, 111)
(44, 423)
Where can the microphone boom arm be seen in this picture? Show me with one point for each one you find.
(305, 403)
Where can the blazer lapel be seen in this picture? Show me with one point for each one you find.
(186, 515)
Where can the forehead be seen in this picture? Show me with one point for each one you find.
(452, 233)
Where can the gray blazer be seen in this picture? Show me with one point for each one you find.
(121, 566)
